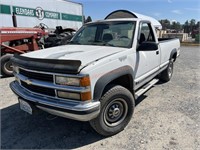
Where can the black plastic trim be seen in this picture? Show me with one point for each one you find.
(172, 53)
(47, 65)
(148, 46)
(111, 76)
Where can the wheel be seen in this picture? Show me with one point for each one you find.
(167, 73)
(6, 65)
(117, 106)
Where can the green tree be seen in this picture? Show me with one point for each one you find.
(192, 24)
(165, 24)
(89, 19)
(198, 25)
(176, 26)
(187, 27)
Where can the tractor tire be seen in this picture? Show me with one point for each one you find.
(6, 65)
(117, 106)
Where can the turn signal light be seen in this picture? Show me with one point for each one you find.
(85, 81)
(86, 96)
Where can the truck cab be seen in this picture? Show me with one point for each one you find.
(99, 75)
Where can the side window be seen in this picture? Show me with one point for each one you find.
(146, 33)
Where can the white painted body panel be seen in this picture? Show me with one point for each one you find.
(167, 46)
(85, 53)
(146, 61)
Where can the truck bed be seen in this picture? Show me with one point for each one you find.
(167, 45)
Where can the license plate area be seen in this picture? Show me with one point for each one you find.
(25, 106)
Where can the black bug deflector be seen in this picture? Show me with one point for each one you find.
(47, 65)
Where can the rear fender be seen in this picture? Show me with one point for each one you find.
(173, 52)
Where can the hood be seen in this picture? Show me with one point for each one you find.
(84, 53)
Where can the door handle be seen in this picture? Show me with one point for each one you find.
(157, 52)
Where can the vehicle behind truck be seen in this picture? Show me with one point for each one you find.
(100, 74)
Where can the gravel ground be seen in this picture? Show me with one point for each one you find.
(166, 117)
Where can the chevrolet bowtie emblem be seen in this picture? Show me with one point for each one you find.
(28, 81)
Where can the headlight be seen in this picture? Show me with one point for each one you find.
(75, 96)
(69, 95)
(84, 81)
(74, 81)
(67, 81)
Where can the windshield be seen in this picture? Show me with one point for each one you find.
(116, 34)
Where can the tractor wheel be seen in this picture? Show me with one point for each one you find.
(6, 65)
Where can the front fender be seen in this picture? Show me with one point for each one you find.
(111, 76)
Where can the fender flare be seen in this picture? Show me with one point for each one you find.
(103, 81)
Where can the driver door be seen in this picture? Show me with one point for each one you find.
(147, 60)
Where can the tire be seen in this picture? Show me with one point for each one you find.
(6, 65)
(117, 106)
(166, 75)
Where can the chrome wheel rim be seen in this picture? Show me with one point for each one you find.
(115, 112)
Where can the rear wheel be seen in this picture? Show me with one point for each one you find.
(167, 73)
(117, 106)
(6, 65)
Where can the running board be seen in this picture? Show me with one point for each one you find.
(145, 88)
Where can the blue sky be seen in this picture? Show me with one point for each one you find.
(179, 10)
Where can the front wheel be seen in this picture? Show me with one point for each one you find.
(167, 73)
(117, 106)
(6, 65)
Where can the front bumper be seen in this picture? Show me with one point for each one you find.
(81, 111)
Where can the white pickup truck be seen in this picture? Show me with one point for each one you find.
(98, 76)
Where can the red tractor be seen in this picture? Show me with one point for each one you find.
(15, 40)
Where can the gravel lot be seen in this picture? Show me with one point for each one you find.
(166, 117)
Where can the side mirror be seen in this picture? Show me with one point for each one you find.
(148, 46)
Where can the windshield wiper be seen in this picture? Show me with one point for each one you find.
(73, 42)
(100, 43)
(108, 44)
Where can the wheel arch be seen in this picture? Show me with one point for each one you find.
(123, 76)
(173, 54)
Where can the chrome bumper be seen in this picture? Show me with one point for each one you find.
(81, 111)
